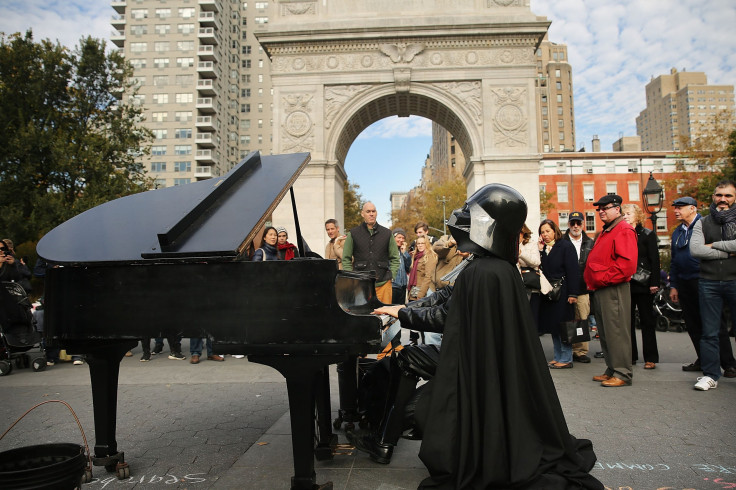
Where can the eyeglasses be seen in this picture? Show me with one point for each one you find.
(606, 208)
(727, 196)
(576, 223)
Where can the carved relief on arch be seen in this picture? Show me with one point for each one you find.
(510, 117)
(468, 93)
(297, 131)
(507, 3)
(336, 96)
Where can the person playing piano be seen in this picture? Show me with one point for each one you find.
(268, 250)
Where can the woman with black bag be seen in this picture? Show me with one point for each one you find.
(560, 266)
(644, 285)
(528, 263)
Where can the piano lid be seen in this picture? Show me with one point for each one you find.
(217, 217)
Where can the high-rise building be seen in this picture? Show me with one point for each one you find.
(555, 107)
(203, 82)
(680, 106)
(446, 158)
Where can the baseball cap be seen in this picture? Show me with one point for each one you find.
(609, 199)
(685, 201)
(576, 216)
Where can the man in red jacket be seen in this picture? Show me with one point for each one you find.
(608, 271)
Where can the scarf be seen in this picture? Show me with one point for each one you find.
(727, 220)
(288, 250)
(413, 273)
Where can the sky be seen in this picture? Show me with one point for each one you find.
(615, 48)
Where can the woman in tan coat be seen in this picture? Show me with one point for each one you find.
(423, 264)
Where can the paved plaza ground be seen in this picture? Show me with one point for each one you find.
(225, 425)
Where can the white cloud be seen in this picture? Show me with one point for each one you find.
(616, 48)
(398, 127)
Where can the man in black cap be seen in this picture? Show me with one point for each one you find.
(684, 280)
(583, 245)
(607, 272)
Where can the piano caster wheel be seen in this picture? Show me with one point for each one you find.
(337, 423)
(87, 477)
(6, 368)
(122, 471)
(349, 426)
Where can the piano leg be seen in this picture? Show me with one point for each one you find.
(326, 440)
(347, 380)
(302, 374)
(104, 368)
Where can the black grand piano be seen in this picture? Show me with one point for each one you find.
(173, 262)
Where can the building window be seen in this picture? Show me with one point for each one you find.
(161, 62)
(610, 167)
(590, 222)
(183, 116)
(161, 46)
(159, 116)
(657, 166)
(245, 92)
(138, 63)
(557, 73)
(186, 12)
(246, 49)
(183, 150)
(184, 62)
(588, 192)
(558, 85)
(245, 124)
(181, 181)
(139, 30)
(160, 98)
(139, 13)
(183, 133)
(185, 28)
(158, 150)
(562, 193)
(559, 98)
(160, 134)
(245, 63)
(184, 80)
(633, 166)
(159, 183)
(162, 28)
(182, 166)
(588, 167)
(163, 13)
(158, 166)
(261, 20)
(611, 188)
(138, 47)
(184, 98)
(561, 167)
(245, 108)
(160, 80)
(563, 220)
(634, 191)
(185, 45)
(662, 221)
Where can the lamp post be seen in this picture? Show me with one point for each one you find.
(653, 196)
(444, 200)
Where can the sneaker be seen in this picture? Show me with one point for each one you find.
(50, 363)
(238, 356)
(706, 383)
(78, 362)
(177, 356)
(146, 358)
(157, 349)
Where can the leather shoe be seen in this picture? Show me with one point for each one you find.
(378, 451)
(693, 366)
(615, 383)
(194, 359)
(413, 434)
(215, 358)
(730, 372)
(598, 355)
(561, 365)
(601, 377)
(649, 365)
(584, 359)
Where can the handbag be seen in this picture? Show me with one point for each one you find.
(532, 278)
(414, 292)
(556, 292)
(573, 332)
(641, 276)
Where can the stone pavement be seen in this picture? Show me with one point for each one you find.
(225, 425)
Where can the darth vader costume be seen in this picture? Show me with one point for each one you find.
(491, 417)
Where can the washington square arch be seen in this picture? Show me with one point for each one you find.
(338, 66)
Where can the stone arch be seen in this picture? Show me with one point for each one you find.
(381, 102)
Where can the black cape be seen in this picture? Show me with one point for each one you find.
(492, 418)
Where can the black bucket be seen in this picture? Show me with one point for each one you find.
(58, 466)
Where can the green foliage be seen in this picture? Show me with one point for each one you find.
(545, 203)
(353, 205)
(70, 142)
(427, 205)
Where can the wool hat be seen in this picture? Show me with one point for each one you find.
(614, 199)
(685, 201)
(280, 229)
(399, 231)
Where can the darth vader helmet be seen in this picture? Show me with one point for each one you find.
(496, 213)
(459, 225)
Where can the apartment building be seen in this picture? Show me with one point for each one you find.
(555, 116)
(680, 105)
(203, 82)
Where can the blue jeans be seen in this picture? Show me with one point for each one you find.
(563, 351)
(195, 346)
(712, 295)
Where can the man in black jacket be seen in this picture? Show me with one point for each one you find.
(583, 245)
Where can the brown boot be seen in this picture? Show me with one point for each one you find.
(194, 359)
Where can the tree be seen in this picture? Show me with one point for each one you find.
(545, 201)
(353, 205)
(71, 132)
(714, 154)
(427, 205)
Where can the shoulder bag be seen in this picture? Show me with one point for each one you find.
(556, 292)
(532, 278)
(641, 276)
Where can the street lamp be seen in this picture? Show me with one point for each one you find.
(444, 201)
(653, 196)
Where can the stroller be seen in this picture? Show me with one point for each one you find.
(18, 332)
(668, 314)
